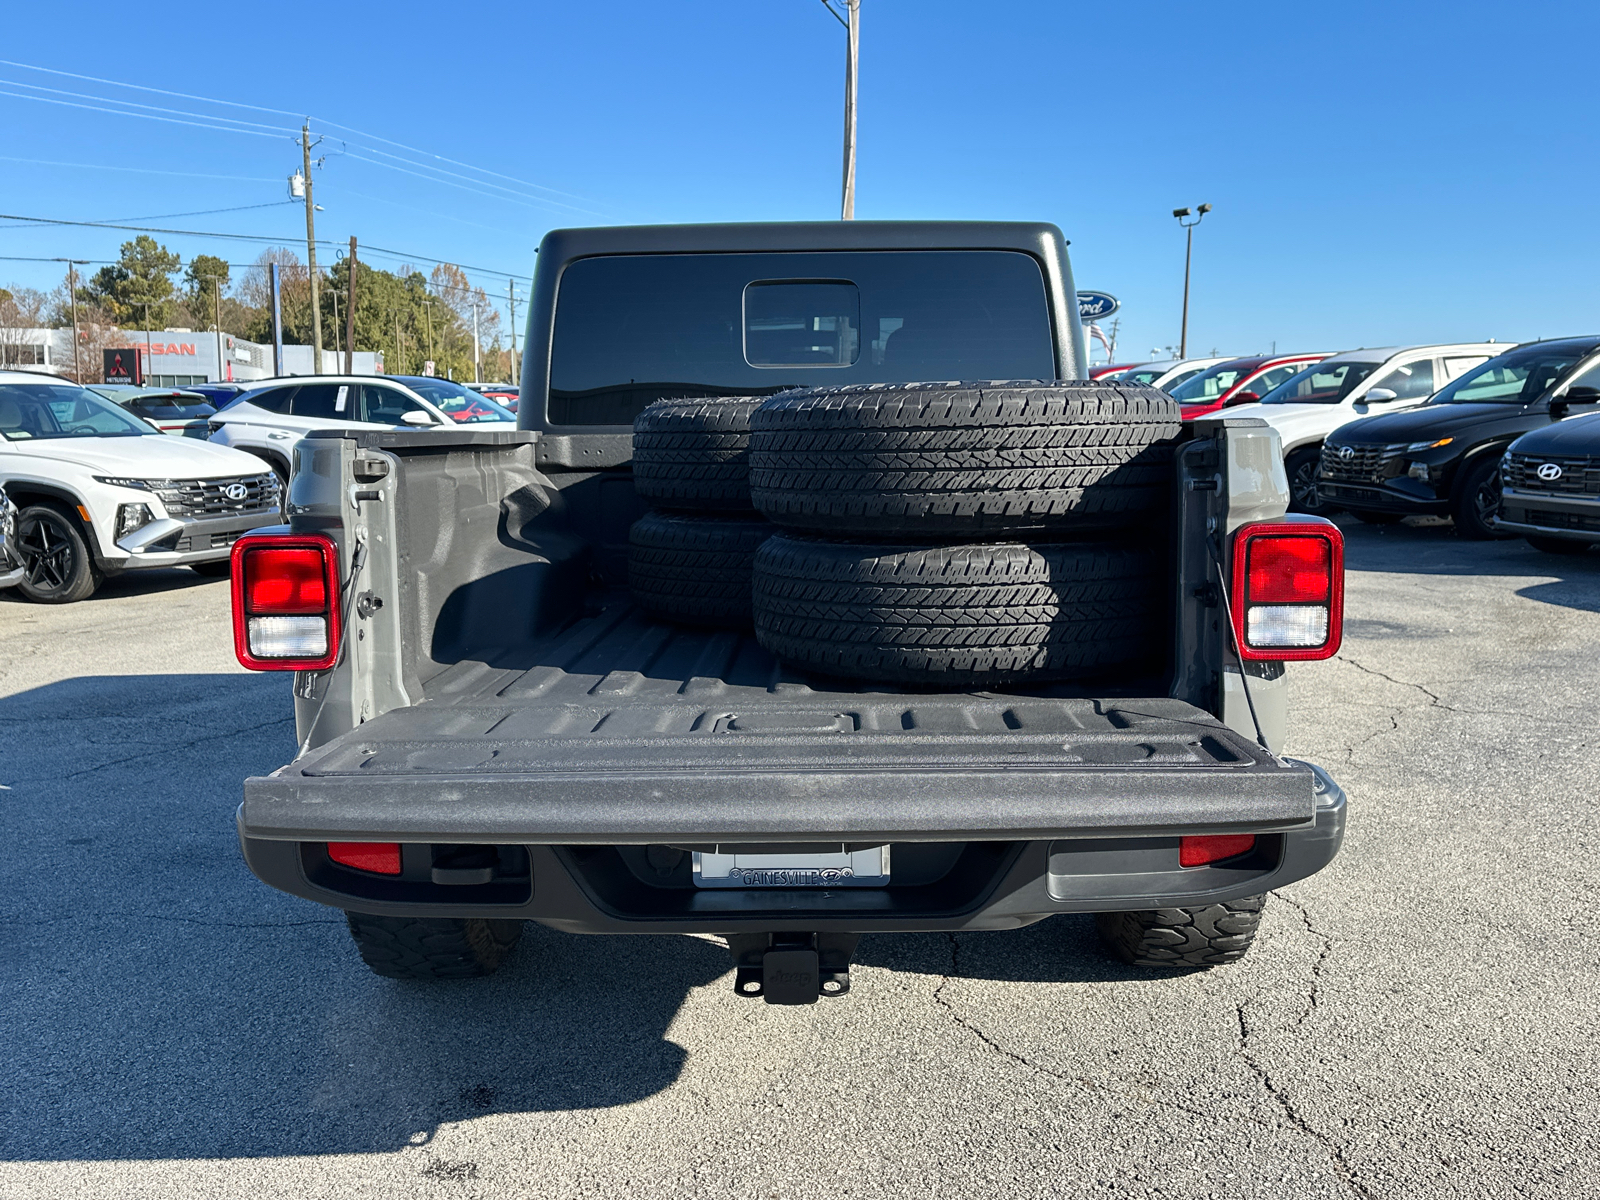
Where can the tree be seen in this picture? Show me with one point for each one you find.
(21, 309)
(205, 279)
(137, 291)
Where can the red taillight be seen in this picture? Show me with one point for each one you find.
(1209, 848)
(284, 581)
(286, 602)
(1288, 589)
(381, 858)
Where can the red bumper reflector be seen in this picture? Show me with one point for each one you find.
(381, 858)
(1210, 848)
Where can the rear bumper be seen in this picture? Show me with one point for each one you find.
(956, 884)
(1576, 518)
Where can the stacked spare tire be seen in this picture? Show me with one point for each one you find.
(952, 534)
(690, 559)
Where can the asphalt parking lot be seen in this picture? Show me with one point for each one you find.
(1418, 1020)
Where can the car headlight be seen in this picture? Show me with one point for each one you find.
(1418, 447)
(131, 517)
(143, 485)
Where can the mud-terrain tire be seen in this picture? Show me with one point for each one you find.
(433, 947)
(1184, 937)
(695, 453)
(695, 570)
(1552, 545)
(956, 461)
(57, 564)
(956, 616)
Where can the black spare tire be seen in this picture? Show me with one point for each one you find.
(957, 615)
(694, 453)
(694, 570)
(941, 459)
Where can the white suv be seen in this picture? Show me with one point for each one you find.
(1307, 407)
(269, 421)
(100, 491)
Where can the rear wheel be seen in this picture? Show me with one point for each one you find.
(1302, 468)
(1552, 545)
(433, 947)
(1477, 500)
(57, 565)
(1184, 937)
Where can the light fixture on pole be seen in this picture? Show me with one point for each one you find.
(1188, 254)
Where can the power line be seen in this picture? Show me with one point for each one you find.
(141, 88)
(47, 162)
(401, 255)
(451, 161)
(134, 104)
(145, 116)
(205, 212)
(477, 185)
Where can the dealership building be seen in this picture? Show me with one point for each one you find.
(174, 357)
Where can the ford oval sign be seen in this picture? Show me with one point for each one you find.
(1096, 306)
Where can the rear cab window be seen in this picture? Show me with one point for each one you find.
(634, 329)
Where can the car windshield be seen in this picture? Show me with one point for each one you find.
(1517, 377)
(459, 403)
(1325, 383)
(38, 411)
(1210, 383)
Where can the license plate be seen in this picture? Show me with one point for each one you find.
(840, 868)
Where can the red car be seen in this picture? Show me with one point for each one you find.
(1238, 381)
(1110, 369)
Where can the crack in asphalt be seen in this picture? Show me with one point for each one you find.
(1291, 1112)
(168, 749)
(1269, 1085)
(1040, 1068)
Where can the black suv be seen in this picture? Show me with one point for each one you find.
(1443, 458)
(1551, 483)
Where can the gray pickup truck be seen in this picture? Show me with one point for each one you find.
(492, 730)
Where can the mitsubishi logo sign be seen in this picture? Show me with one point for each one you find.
(1550, 472)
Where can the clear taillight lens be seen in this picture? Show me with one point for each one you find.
(1288, 589)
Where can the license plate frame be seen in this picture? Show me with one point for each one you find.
(846, 867)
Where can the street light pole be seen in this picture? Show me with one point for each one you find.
(847, 202)
(72, 288)
(1188, 254)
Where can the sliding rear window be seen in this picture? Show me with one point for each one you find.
(633, 329)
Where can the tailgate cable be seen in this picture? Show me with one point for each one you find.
(358, 559)
(1233, 640)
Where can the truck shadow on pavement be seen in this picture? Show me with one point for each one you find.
(161, 1003)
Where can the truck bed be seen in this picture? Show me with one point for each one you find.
(618, 729)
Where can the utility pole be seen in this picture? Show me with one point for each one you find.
(275, 287)
(149, 356)
(1188, 254)
(511, 291)
(427, 307)
(72, 290)
(311, 254)
(350, 314)
(477, 355)
(398, 360)
(334, 293)
(852, 51)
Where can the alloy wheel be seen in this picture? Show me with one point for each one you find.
(47, 554)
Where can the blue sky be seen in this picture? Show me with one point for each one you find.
(1380, 173)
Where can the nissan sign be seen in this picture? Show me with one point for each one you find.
(1096, 306)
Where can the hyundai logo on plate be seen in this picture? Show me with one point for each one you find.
(236, 491)
(1347, 451)
(1550, 472)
